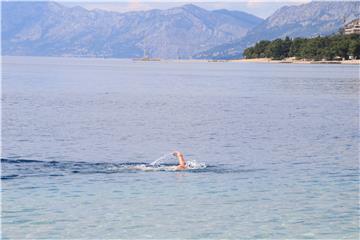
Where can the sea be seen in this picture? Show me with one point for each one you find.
(272, 149)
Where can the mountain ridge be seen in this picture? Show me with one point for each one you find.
(51, 29)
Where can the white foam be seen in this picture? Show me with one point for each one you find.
(193, 164)
(190, 165)
(149, 168)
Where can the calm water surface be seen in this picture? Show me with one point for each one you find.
(280, 143)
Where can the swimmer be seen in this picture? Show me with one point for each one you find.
(180, 166)
(182, 163)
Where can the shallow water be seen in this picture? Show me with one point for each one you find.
(280, 144)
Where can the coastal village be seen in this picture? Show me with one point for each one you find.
(350, 31)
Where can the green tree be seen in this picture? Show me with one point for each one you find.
(275, 50)
(286, 46)
(354, 49)
(296, 46)
(260, 48)
(317, 48)
(341, 48)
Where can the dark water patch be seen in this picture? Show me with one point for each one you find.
(56, 175)
(4, 160)
(28, 188)
(229, 169)
(350, 175)
(9, 177)
(301, 163)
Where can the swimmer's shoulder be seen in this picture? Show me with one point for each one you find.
(179, 167)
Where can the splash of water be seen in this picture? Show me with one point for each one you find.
(190, 164)
(193, 164)
(161, 159)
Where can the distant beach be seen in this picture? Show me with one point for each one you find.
(267, 60)
(293, 60)
(261, 60)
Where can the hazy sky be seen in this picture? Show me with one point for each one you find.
(259, 8)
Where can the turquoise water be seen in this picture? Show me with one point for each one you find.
(279, 141)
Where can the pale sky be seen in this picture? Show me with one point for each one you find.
(259, 8)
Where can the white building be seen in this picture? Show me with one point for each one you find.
(352, 27)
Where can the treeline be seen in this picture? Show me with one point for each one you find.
(328, 48)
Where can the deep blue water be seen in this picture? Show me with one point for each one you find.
(279, 141)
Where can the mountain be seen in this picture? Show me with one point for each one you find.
(306, 20)
(51, 29)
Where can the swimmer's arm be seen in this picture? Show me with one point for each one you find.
(180, 156)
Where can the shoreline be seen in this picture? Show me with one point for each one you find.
(252, 60)
(294, 61)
